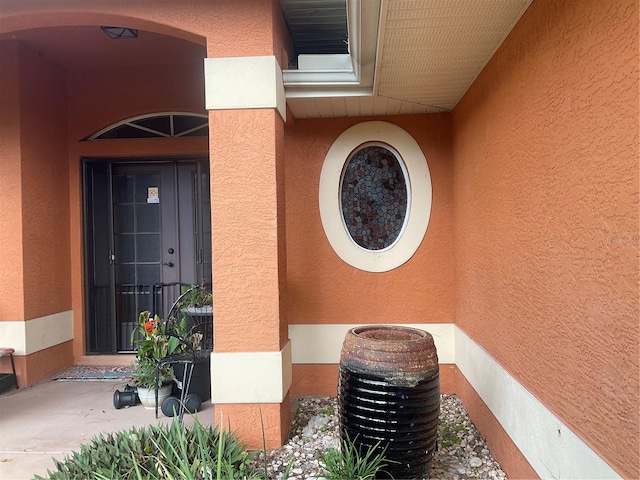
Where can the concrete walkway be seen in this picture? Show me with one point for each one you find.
(53, 418)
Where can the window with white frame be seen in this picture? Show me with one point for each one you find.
(375, 196)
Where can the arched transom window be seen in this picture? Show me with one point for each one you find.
(157, 125)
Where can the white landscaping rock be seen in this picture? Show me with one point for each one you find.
(316, 429)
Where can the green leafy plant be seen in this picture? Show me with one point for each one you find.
(450, 434)
(144, 373)
(156, 339)
(195, 296)
(328, 411)
(159, 452)
(354, 463)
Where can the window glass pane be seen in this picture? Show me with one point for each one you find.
(200, 132)
(374, 197)
(161, 124)
(125, 251)
(122, 188)
(159, 127)
(148, 217)
(125, 274)
(148, 274)
(123, 218)
(182, 123)
(143, 182)
(148, 248)
(126, 131)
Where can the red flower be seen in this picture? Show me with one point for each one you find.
(150, 327)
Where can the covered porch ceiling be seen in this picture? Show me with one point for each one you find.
(353, 57)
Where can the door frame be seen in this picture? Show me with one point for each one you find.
(88, 241)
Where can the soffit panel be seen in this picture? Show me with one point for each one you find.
(431, 51)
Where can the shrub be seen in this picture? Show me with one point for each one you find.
(158, 452)
(350, 464)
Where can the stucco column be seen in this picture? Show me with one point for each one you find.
(35, 308)
(251, 362)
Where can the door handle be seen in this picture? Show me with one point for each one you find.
(168, 264)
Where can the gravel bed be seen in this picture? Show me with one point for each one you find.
(462, 452)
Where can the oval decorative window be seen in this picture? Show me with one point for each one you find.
(375, 196)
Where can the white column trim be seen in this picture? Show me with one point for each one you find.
(251, 377)
(36, 334)
(244, 82)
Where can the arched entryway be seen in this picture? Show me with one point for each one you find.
(94, 81)
(68, 81)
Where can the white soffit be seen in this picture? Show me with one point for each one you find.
(427, 54)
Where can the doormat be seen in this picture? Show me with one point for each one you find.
(94, 373)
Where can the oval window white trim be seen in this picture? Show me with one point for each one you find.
(418, 181)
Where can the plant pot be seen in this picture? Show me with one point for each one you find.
(200, 377)
(148, 396)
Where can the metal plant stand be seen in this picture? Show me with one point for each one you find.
(188, 361)
(201, 323)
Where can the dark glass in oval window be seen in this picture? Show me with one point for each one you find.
(373, 196)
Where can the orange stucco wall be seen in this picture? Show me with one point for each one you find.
(35, 184)
(45, 186)
(11, 306)
(532, 246)
(35, 202)
(324, 289)
(545, 150)
(243, 201)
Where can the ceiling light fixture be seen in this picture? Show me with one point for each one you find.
(120, 32)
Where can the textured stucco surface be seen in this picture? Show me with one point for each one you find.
(546, 216)
(35, 200)
(532, 246)
(45, 186)
(245, 218)
(324, 289)
(11, 306)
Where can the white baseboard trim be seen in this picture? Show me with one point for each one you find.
(551, 448)
(31, 336)
(323, 343)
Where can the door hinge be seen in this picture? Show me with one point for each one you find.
(112, 258)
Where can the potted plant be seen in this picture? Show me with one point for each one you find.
(155, 340)
(196, 306)
(196, 300)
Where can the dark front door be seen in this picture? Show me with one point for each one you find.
(147, 234)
